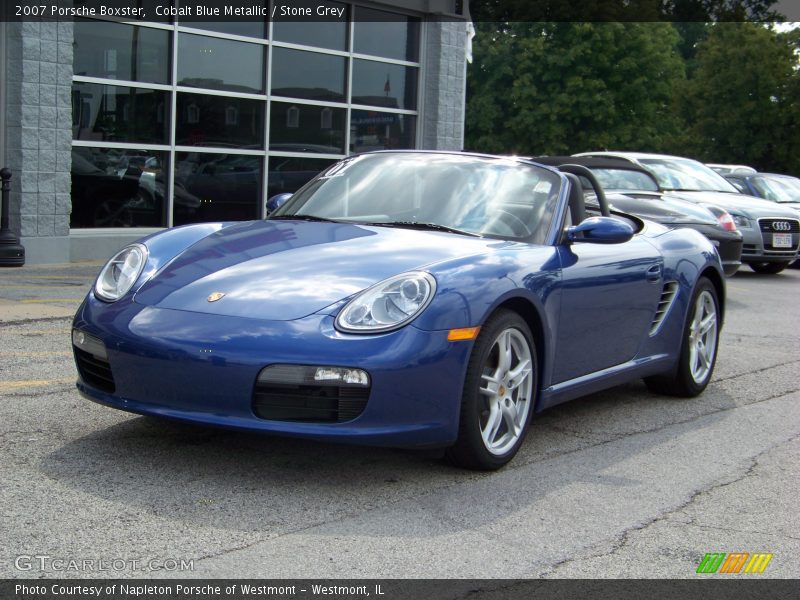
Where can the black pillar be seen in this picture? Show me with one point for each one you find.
(12, 254)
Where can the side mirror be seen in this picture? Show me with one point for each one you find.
(276, 201)
(601, 230)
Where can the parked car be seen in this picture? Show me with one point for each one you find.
(728, 169)
(783, 189)
(403, 298)
(771, 233)
(634, 190)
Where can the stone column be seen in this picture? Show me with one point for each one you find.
(39, 134)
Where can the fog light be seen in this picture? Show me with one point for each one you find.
(355, 376)
(89, 343)
(309, 375)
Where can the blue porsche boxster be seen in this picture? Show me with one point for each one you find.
(415, 299)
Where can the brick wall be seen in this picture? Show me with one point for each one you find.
(39, 133)
(444, 85)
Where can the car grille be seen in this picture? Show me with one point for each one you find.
(309, 403)
(667, 297)
(95, 371)
(767, 227)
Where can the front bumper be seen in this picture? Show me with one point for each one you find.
(758, 242)
(203, 368)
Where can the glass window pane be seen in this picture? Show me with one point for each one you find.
(372, 130)
(114, 113)
(384, 84)
(204, 120)
(254, 28)
(118, 188)
(219, 64)
(217, 187)
(287, 174)
(329, 34)
(302, 128)
(117, 51)
(308, 75)
(386, 34)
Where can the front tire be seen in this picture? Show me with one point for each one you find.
(499, 393)
(768, 268)
(699, 347)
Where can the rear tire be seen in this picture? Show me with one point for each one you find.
(768, 268)
(499, 393)
(698, 354)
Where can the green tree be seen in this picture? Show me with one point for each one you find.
(555, 88)
(741, 97)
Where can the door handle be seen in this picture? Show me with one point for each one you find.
(654, 273)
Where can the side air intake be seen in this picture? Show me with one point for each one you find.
(667, 297)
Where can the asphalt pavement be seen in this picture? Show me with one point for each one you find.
(623, 483)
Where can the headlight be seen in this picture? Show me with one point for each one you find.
(120, 273)
(389, 304)
(741, 221)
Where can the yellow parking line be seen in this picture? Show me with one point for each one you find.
(10, 386)
(49, 300)
(34, 354)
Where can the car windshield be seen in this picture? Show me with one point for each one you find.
(625, 179)
(778, 189)
(475, 195)
(686, 175)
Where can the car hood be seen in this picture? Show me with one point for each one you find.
(749, 206)
(285, 270)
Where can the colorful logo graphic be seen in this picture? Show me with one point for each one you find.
(734, 562)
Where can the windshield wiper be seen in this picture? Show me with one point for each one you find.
(420, 225)
(302, 218)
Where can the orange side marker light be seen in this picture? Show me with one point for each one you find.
(465, 333)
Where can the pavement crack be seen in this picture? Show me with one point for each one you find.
(622, 539)
(18, 322)
(756, 371)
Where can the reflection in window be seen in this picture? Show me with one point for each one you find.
(251, 28)
(300, 74)
(302, 128)
(118, 188)
(217, 187)
(386, 34)
(219, 64)
(385, 85)
(289, 174)
(293, 117)
(205, 121)
(329, 34)
(117, 51)
(373, 130)
(113, 113)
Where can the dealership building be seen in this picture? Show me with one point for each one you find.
(114, 128)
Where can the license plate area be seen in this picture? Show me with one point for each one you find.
(781, 240)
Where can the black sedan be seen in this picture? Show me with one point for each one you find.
(634, 190)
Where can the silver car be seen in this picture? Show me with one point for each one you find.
(771, 232)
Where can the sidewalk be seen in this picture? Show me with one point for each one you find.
(44, 291)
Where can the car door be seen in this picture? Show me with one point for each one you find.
(609, 294)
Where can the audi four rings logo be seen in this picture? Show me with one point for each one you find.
(782, 226)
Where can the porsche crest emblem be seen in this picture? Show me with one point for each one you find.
(215, 296)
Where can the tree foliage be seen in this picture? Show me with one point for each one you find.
(554, 88)
(740, 101)
(721, 92)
